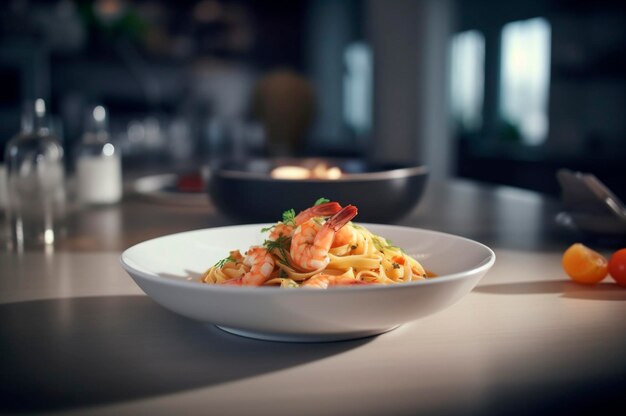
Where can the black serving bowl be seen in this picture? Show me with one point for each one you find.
(382, 193)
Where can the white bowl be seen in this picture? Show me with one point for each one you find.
(168, 270)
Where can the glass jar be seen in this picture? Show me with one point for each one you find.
(98, 163)
(35, 182)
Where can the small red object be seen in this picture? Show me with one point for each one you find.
(190, 182)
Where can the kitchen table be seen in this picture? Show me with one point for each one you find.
(77, 336)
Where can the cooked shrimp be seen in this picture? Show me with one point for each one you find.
(261, 266)
(345, 236)
(323, 281)
(322, 210)
(311, 241)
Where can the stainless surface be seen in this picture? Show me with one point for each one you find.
(590, 206)
(78, 337)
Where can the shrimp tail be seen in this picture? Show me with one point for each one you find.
(322, 210)
(342, 217)
(326, 209)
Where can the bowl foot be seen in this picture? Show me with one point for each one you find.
(282, 337)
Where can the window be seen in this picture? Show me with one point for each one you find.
(358, 87)
(525, 78)
(467, 74)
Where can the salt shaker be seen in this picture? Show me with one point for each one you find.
(98, 163)
(35, 182)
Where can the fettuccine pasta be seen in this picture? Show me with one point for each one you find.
(318, 248)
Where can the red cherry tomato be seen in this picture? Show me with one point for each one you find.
(617, 267)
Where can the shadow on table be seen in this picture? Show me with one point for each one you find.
(568, 289)
(65, 353)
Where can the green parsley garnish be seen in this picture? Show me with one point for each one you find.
(280, 244)
(320, 201)
(289, 217)
(222, 262)
(266, 229)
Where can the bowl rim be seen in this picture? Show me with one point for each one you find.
(482, 267)
(396, 173)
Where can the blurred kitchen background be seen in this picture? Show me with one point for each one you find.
(502, 92)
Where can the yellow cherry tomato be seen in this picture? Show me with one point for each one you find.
(584, 265)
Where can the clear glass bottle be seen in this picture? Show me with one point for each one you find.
(35, 182)
(98, 163)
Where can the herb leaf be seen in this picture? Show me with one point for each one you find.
(289, 217)
(222, 262)
(266, 229)
(281, 244)
(320, 201)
